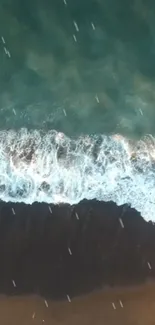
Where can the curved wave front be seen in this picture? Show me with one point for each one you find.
(53, 168)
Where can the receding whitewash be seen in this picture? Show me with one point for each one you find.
(53, 168)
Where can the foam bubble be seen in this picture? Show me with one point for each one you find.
(53, 168)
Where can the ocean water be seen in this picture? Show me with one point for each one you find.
(77, 113)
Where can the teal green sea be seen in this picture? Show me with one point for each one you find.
(78, 66)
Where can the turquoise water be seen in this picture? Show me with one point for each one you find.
(78, 66)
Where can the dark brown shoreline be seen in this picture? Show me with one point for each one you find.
(60, 253)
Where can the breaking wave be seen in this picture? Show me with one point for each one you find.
(50, 167)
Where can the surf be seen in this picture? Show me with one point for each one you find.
(50, 167)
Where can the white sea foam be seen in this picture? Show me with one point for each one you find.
(53, 168)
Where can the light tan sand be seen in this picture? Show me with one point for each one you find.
(93, 309)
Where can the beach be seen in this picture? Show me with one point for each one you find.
(89, 263)
(77, 162)
(134, 306)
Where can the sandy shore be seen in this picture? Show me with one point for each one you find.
(95, 254)
(134, 306)
(57, 250)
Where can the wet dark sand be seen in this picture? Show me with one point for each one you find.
(85, 252)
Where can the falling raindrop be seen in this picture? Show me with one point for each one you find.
(14, 284)
(14, 111)
(121, 223)
(76, 26)
(13, 211)
(33, 316)
(64, 112)
(121, 304)
(70, 252)
(69, 299)
(93, 26)
(97, 99)
(50, 209)
(3, 40)
(77, 217)
(46, 303)
(75, 39)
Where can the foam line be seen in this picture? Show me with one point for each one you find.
(50, 167)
